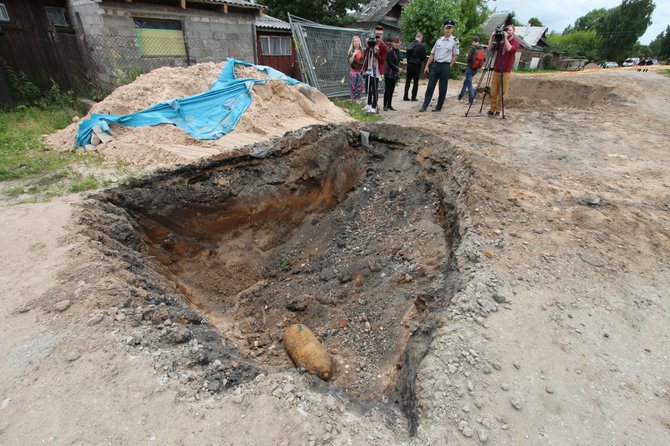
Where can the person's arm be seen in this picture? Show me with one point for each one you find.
(429, 63)
(508, 44)
(390, 61)
(454, 58)
(491, 40)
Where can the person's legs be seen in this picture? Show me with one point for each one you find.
(391, 88)
(412, 76)
(494, 87)
(374, 87)
(387, 93)
(444, 82)
(433, 76)
(371, 91)
(469, 74)
(415, 88)
(506, 77)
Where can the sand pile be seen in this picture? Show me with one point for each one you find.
(276, 108)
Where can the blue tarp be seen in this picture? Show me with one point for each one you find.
(207, 115)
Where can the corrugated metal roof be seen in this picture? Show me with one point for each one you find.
(376, 10)
(269, 22)
(531, 34)
(496, 19)
(238, 3)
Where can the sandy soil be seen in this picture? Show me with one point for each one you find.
(557, 335)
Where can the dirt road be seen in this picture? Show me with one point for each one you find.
(555, 330)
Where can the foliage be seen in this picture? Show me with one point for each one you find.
(128, 75)
(329, 12)
(473, 14)
(576, 44)
(36, 171)
(356, 110)
(587, 22)
(622, 26)
(428, 16)
(534, 21)
(660, 46)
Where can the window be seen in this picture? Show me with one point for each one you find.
(56, 16)
(4, 15)
(275, 45)
(160, 38)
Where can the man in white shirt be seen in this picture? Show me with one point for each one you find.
(443, 56)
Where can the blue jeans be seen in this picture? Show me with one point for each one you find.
(467, 84)
(438, 71)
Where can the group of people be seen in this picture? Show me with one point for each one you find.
(376, 59)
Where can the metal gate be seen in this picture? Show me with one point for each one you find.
(322, 54)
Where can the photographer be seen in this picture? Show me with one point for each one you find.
(506, 44)
(372, 70)
(442, 57)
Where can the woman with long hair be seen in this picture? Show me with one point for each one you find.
(356, 66)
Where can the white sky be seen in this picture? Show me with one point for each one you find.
(557, 15)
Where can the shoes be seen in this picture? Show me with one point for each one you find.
(373, 110)
(490, 112)
(422, 109)
(366, 109)
(436, 110)
(460, 99)
(386, 108)
(407, 99)
(414, 99)
(391, 108)
(496, 114)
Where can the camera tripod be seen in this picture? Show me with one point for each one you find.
(487, 73)
(371, 82)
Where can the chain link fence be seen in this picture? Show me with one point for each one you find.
(118, 60)
(322, 53)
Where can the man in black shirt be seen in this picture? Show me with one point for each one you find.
(416, 56)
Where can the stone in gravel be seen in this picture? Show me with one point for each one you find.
(62, 305)
(72, 356)
(24, 308)
(468, 431)
(471, 386)
(504, 386)
(483, 436)
(549, 390)
(516, 402)
(496, 365)
(95, 319)
(451, 368)
(501, 299)
(237, 399)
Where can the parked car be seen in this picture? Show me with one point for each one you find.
(610, 65)
(631, 61)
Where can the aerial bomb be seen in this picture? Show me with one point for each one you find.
(307, 352)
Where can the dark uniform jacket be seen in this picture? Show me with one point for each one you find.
(416, 53)
(392, 64)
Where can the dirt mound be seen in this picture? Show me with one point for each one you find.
(276, 108)
(540, 92)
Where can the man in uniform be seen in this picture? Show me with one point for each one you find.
(442, 57)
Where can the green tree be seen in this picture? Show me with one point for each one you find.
(660, 46)
(534, 21)
(329, 12)
(620, 28)
(428, 16)
(576, 44)
(587, 22)
(473, 14)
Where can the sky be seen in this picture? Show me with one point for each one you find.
(557, 15)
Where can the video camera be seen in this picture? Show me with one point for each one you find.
(372, 41)
(499, 33)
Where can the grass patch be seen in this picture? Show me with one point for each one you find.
(665, 72)
(356, 110)
(38, 173)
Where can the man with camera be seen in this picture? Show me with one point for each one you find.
(505, 43)
(442, 57)
(373, 67)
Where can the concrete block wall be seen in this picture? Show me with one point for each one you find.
(109, 31)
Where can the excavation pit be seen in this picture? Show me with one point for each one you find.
(356, 242)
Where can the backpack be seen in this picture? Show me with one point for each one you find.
(478, 59)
